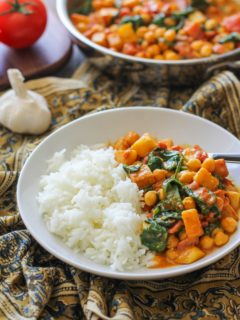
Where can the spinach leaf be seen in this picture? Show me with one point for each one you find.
(203, 207)
(136, 21)
(85, 8)
(131, 169)
(177, 215)
(221, 184)
(172, 201)
(155, 237)
(169, 182)
(159, 19)
(232, 37)
(167, 218)
(162, 158)
(209, 229)
(200, 4)
(154, 162)
(171, 163)
(183, 13)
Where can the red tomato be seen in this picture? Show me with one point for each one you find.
(194, 30)
(232, 23)
(22, 22)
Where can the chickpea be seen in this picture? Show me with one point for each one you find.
(194, 164)
(161, 194)
(100, 38)
(197, 45)
(159, 32)
(211, 24)
(229, 224)
(171, 55)
(149, 36)
(197, 16)
(170, 22)
(159, 57)
(171, 254)
(82, 27)
(229, 46)
(146, 17)
(153, 50)
(170, 35)
(186, 177)
(160, 174)
(215, 231)
(150, 198)
(137, 9)
(140, 54)
(206, 242)
(141, 31)
(209, 164)
(152, 27)
(189, 203)
(220, 238)
(172, 241)
(206, 50)
(144, 44)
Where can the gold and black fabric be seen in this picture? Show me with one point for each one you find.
(36, 285)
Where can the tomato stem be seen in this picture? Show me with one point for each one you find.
(19, 7)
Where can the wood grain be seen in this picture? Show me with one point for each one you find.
(47, 55)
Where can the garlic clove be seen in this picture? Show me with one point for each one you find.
(22, 110)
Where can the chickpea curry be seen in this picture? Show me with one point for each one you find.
(190, 204)
(162, 30)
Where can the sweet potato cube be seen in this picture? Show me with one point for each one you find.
(205, 179)
(234, 198)
(144, 145)
(192, 223)
(228, 211)
(126, 141)
(126, 156)
(144, 177)
(189, 255)
(127, 33)
(221, 168)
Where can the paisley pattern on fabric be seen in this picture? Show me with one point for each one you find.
(36, 285)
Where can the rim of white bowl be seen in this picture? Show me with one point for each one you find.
(158, 273)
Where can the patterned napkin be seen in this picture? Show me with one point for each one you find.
(35, 285)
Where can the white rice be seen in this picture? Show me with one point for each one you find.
(90, 203)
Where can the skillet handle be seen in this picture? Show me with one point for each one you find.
(233, 66)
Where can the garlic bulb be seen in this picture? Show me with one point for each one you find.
(22, 110)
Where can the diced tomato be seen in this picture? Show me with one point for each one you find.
(201, 155)
(232, 23)
(184, 49)
(188, 242)
(182, 4)
(194, 30)
(124, 12)
(194, 185)
(221, 168)
(206, 196)
(162, 145)
(149, 215)
(130, 48)
(210, 34)
(176, 148)
(219, 48)
(204, 224)
(176, 227)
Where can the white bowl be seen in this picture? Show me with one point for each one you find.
(110, 125)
